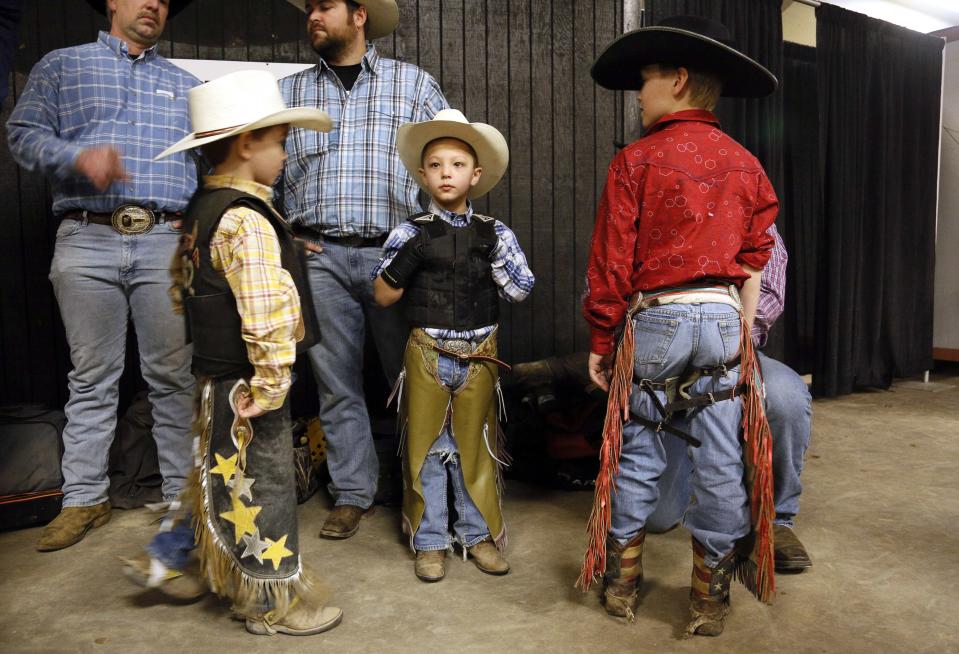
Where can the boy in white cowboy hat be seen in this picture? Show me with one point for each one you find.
(452, 265)
(678, 247)
(238, 277)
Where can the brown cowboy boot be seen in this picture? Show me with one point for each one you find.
(72, 525)
(790, 555)
(709, 595)
(344, 521)
(623, 576)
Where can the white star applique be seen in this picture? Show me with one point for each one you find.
(246, 487)
(254, 546)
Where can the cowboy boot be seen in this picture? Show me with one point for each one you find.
(709, 595)
(623, 576)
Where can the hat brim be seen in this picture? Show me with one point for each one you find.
(176, 6)
(490, 146)
(382, 16)
(297, 117)
(619, 66)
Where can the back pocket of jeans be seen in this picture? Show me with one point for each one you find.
(653, 336)
(729, 332)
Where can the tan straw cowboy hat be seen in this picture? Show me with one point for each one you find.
(241, 102)
(490, 146)
(382, 16)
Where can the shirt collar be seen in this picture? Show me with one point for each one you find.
(120, 47)
(686, 115)
(456, 219)
(369, 61)
(256, 189)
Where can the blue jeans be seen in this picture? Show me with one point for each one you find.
(174, 543)
(669, 340)
(441, 464)
(343, 298)
(789, 411)
(101, 280)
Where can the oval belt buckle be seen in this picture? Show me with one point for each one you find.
(459, 346)
(131, 220)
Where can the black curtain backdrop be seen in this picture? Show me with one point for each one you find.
(879, 98)
(800, 216)
(756, 27)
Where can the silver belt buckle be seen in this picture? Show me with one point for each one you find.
(131, 220)
(458, 346)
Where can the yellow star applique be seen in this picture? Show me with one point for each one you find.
(225, 467)
(243, 518)
(277, 551)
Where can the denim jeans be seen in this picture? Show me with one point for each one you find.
(343, 297)
(174, 543)
(441, 464)
(789, 411)
(670, 339)
(101, 280)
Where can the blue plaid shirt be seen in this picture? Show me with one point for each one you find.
(510, 270)
(95, 95)
(350, 181)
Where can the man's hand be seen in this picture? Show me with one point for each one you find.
(310, 246)
(600, 369)
(247, 408)
(101, 165)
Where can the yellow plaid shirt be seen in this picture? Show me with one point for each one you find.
(245, 249)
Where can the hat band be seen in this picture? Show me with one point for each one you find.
(215, 132)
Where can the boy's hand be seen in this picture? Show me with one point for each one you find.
(247, 408)
(600, 369)
(400, 271)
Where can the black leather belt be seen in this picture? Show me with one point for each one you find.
(351, 241)
(127, 219)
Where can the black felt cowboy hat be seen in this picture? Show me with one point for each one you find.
(699, 43)
(176, 6)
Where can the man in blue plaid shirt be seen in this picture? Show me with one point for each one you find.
(343, 192)
(91, 118)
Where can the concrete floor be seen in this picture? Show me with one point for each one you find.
(879, 517)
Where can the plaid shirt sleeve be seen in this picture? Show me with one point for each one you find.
(245, 248)
(772, 290)
(511, 272)
(32, 129)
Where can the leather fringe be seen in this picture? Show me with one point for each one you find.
(756, 570)
(617, 413)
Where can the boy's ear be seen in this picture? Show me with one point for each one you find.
(241, 146)
(477, 173)
(680, 81)
(422, 173)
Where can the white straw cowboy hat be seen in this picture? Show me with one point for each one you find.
(241, 102)
(382, 16)
(492, 153)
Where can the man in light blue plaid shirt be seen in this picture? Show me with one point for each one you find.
(91, 118)
(343, 192)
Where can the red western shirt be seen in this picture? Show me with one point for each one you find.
(682, 204)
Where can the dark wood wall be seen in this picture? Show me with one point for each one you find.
(520, 65)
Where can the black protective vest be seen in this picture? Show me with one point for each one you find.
(453, 287)
(213, 321)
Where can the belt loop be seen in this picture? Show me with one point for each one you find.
(85, 218)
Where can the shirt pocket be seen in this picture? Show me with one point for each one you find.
(653, 336)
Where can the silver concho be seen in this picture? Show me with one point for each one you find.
(130, 220)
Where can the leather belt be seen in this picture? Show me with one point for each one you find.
(351, 241)
(463, 350)
(127, 219)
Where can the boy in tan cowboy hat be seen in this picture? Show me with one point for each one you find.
(239, 280)
(452, 265)
(678, 247)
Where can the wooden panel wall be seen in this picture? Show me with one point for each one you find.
(521, 65)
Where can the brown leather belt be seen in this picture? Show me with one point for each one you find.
(463, 350)
(351, 241)
(127, 219)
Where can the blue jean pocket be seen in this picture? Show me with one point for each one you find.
(653, 336)
(729, 332)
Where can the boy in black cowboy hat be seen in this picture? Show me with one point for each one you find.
(678, 248)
